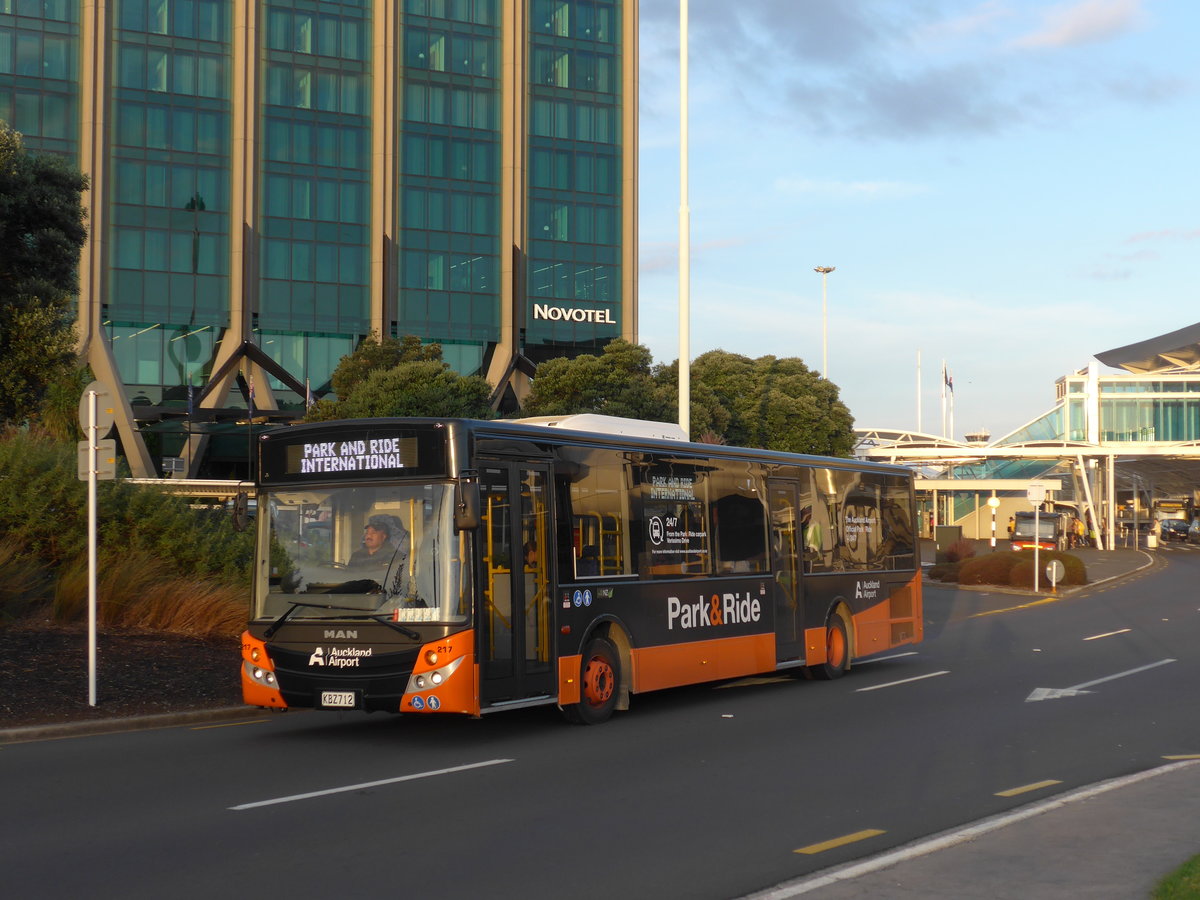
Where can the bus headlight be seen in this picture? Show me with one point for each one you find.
(426, 680)
(259, 675)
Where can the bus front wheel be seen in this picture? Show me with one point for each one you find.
(599, 682)
(837, 651)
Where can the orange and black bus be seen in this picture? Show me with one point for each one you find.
(461, 566)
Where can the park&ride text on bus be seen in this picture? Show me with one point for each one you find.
(424, 565)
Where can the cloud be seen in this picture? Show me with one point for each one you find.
(1086, 22)
(863, 190)
(1166, 234)
(977, 20)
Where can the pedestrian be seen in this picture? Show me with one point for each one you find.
(1012, 524)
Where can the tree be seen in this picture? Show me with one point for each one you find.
(620, 382)
(778, 404)
(41, 232)
(404, 377)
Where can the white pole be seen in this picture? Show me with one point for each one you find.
(919, 391)
(1037, 541)
(92, 454)
(825, 325)
(685, 356)
(824, 272)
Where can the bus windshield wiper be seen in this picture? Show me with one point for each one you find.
(296, 604)
(364, 614)
(391, 623)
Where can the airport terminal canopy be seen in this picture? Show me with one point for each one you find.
(1178, 349)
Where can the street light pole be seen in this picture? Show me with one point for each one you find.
(824, 271)
(685, 239)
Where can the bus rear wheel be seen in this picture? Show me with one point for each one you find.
(599, 680)
(837, 651)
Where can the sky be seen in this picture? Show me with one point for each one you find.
(1010, 186)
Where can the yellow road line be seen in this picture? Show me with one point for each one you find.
(995, 612)
(840, 842)
(1024, 789)
(1184, 756)
(229, 724)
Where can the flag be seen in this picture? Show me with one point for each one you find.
(252, 397)
(308, 397)
(191, 400)
(950, 381)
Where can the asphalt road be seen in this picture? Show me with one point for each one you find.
(707, 792)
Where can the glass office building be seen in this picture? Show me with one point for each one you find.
(273, 181)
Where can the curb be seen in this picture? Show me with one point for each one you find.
(55, 730)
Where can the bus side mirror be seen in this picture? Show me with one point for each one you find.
(466, 507)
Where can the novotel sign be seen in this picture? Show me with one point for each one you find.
(572, 314)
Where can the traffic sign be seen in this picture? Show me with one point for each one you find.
(106, 459)
(1036, 494)
(105, 411)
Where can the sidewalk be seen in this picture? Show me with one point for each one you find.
(1111, 841)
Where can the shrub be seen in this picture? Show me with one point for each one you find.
(960, 550)
(1022, 573)
(994, 568)
(162, 565)
(943, 572)
(25, 585)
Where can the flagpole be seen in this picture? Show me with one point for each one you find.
(943, 398)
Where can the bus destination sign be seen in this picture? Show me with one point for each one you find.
(382, 454)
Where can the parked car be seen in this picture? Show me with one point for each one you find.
(1193, 535)
(1174, 529)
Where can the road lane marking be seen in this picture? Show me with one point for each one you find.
(1026, 788)
(229, 724)
(1096, 637)
(876, 687)
(1077, 689)
(370, 784)
(996, 612)
(840, 842)
(1183, 756)
(875, 659)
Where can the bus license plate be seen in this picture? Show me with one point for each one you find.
(339, 699)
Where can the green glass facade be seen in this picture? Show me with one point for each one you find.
(296, 174)
(575, 172)
(449, 214)
(39, 72)
(169, 195)
(315, 205)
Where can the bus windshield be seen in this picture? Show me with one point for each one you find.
(352, 552)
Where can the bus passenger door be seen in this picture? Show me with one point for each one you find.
(514, 614)
(787, 549)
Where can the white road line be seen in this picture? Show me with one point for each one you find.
(1088, 684)
(875, 659)
(370, 784)
(1076, 689)
(876, 687)
(1096, 637)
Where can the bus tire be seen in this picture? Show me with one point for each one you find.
(599, 684)
(837, 651)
